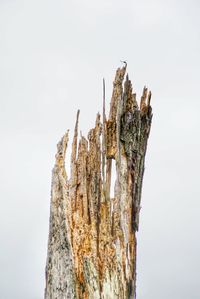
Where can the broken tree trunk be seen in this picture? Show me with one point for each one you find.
(92, 237)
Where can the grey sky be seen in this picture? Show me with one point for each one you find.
(53, 56)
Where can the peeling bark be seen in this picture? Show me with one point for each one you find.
(92, 237)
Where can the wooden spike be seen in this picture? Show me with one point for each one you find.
(104, 140)
(75, 139)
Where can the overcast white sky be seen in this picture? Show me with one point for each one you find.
(53, 56)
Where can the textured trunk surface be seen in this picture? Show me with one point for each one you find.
(92, 237)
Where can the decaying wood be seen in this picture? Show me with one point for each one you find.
(92, 237)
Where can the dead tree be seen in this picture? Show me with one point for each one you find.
(92, 237)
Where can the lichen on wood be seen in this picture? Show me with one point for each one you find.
(92, 237)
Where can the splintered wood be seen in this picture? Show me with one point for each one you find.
(92, 237)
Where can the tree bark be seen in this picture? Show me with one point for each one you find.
(92, 237)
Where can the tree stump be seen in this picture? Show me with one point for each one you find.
(92, 237)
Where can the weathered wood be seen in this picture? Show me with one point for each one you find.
(92, 238)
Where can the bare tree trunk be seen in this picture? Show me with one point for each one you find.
(92, 238)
